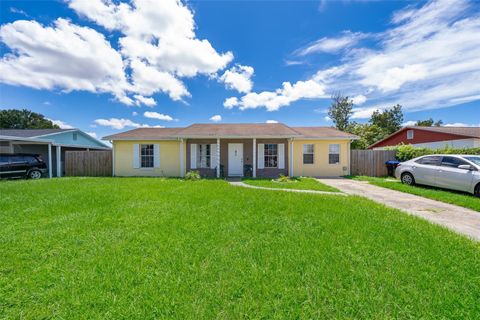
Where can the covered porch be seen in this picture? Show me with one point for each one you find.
(231, 157)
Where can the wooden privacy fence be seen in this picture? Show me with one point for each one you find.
(370, 162)
(88, 163)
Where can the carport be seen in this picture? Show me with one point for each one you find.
(10, 144)
(41, 141)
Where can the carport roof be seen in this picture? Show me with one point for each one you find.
(30, 133)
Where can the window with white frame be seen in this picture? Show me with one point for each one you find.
(204, 156)
(409, 134)
(146, 155)
(308, 154)
(271, 155)
(334, 154)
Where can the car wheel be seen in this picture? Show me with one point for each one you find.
(407, 178)
(477, 190)
(35, 174)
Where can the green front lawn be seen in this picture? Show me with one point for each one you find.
(293, 183)
(453, 197)
(145, 248)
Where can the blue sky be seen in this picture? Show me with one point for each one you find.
(106, 66)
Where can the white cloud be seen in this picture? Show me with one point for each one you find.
(327, 118)
(238, 78)
(63, 56)
(18, 11)
(216, 118)
(231, 102)
(428, 58)
(92, 134)
(274, 100)
(157, 48)
(409, 123)
(61, 124)
(331, 45)
(158, 42)
(115, 123)
(271, 121)
(359, 100)
(149, 102)
(158, 116)
(134, 113)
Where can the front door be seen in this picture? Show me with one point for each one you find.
(235, 159)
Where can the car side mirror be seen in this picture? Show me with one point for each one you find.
(466, 167)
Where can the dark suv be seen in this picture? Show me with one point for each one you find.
(22, 166)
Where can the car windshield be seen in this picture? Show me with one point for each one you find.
(475, 160)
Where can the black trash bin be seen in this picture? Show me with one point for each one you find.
(247, 170)
(391, 166)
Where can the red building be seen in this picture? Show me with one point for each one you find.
(432, 137)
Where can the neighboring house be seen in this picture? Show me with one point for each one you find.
(262, 150)
(432, 137)
(41, 141)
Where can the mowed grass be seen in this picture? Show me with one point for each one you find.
(294, 183)
(140, 248)
(449, 196)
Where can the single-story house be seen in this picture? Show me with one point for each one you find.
(234, 150)
(41, 141)
(432, 137)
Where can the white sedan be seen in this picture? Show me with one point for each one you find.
(456, 172)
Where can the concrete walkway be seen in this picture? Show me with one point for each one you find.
(458, 219)
(242, 184)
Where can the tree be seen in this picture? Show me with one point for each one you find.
(429, 123)
(24, 119)
(340, 111)
(380, 125)
(389, 120)
(368, 134)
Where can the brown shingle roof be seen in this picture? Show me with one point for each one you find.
(323, 132)
(145, 134)
(240, 130)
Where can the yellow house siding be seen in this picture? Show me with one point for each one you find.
(169, 159)
(320, 166)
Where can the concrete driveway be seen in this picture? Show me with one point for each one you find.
(458, 219)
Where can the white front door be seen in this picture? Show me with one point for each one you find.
(235, 159)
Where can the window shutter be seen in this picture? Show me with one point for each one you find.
(281, 156)
(136, 156)
(156, 156)
(261, 156)
(193, 156)
(213, 155)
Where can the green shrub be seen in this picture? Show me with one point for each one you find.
(192, 175)
(406, 152)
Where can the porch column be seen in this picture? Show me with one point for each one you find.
(349, 156)
(59, 161)
(50, 160)
(254, 160)
(218, 157)
(182, 163)
(290, 173)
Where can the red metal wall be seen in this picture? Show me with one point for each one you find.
(419, 136)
